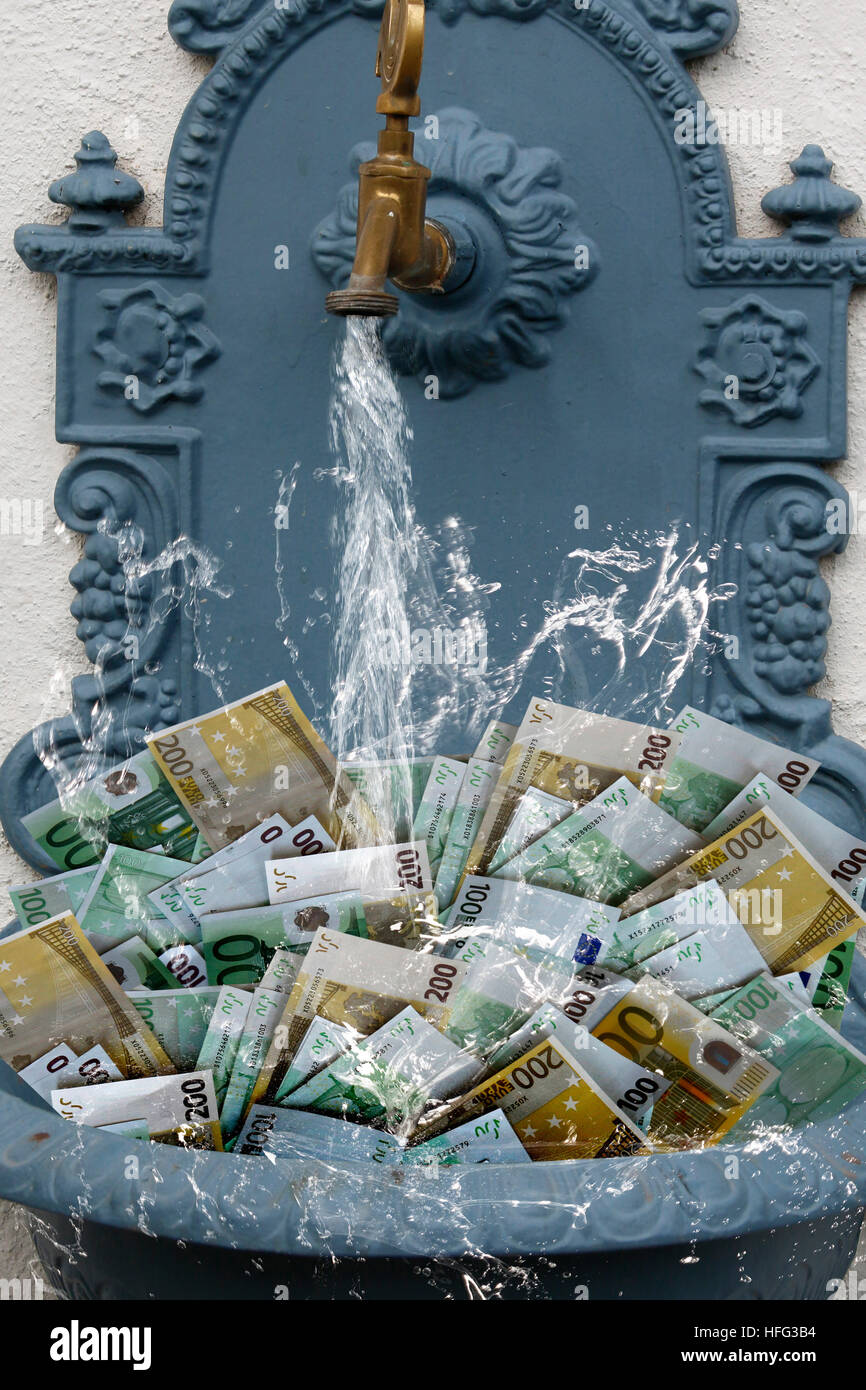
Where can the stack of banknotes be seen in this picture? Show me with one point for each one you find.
(586, 938)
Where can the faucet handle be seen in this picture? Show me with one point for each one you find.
(399, 58)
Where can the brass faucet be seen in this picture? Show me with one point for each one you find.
(396, 241)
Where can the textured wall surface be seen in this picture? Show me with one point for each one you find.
(100, 64)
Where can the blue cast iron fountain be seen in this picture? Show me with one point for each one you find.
(594, 363)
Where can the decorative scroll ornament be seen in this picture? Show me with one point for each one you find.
(757, 360)
(153, 345)
(532, 256)
(692, 27)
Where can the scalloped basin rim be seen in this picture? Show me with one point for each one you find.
(311, 1208)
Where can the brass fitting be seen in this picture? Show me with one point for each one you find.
(396, 241)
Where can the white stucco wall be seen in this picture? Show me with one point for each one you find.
(76, 65)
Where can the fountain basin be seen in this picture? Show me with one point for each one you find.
(116, 1219)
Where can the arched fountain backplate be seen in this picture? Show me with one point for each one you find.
(617, 348)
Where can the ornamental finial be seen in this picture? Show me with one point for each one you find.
(98, 193)
(813, 205)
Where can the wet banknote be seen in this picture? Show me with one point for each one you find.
(393, 790)
(237, 946)
(54, 989)
(495, 742)
(842, 854)
(540, 921)
(714, 1076)
(219, 1046)
(715, 760)
(616, 844)
(265, 1011)
(389, 1076)
(131, 804)
(49, 897)
(632, 1088)
(828, 979)
(321, 1045)
(573, 754)
(134, 966)
(788, 902)
(282, 971)
(360, 984)
(185, 965)
(376, 871)
(171, 899)
(433, 819)
(179, 1110)
(247, 760)
(536, 812)
(180, 1019)
(488, 1139)
(706, 962)
(627, 943)
(279, 1133)
(479, 783)
(817, 1070)
(61, 1067)
(556, 1109)
(117, 905)
(499, 990)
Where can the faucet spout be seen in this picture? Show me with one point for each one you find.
(396, 241)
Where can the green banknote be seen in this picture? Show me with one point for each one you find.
(495, 742)
(179, 1018)
(538, 921)
(488, 1139)
(131, 804)
(134, 966)
(536, 812)
(265, 1010)
(608, 849)
(49, 897)
(219, 1044)
(715, 760)
(117, 906)
(479, 783)
(321, 1045)
(433, 818)
(396, 786)
(818, 1071)
(282, 1133)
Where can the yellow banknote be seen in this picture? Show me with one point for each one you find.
(54, 988)
(572, 754)
(786, 901)
(557, 1111)
(245, 761)
(714, 1077)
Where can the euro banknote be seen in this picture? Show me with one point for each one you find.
(179, 1110)
(264, 1013)
(495, 742)
(622, 945)
(707, 961)
(632, 1088)
(438, 800)
(476, 789)
(275, 1132)
(715, 760)
(536, 812)
(197, 889)
(132, 804)
(49, 897)
(556, 1110)
(321, 1045)
(63, 1067)
(489, 1139)
(244, 761)
(817, 1071)
(219, 1045)
(393, 790)
(360, 984)
(282, 971)
(185, 965)
(840, 852)
(790, 905)
(179, 1018)
(117, 904)
(714, 1077)
(389, 1076)
(375, 870)
(573, 754)
(606, 850)
(540, 921)
(498, 991)
(54, 989)
(828, 980)
(237, 946)
(134, 966)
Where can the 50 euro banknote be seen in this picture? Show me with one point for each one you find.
(260, 755)
(573, 754)
(789, 904)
